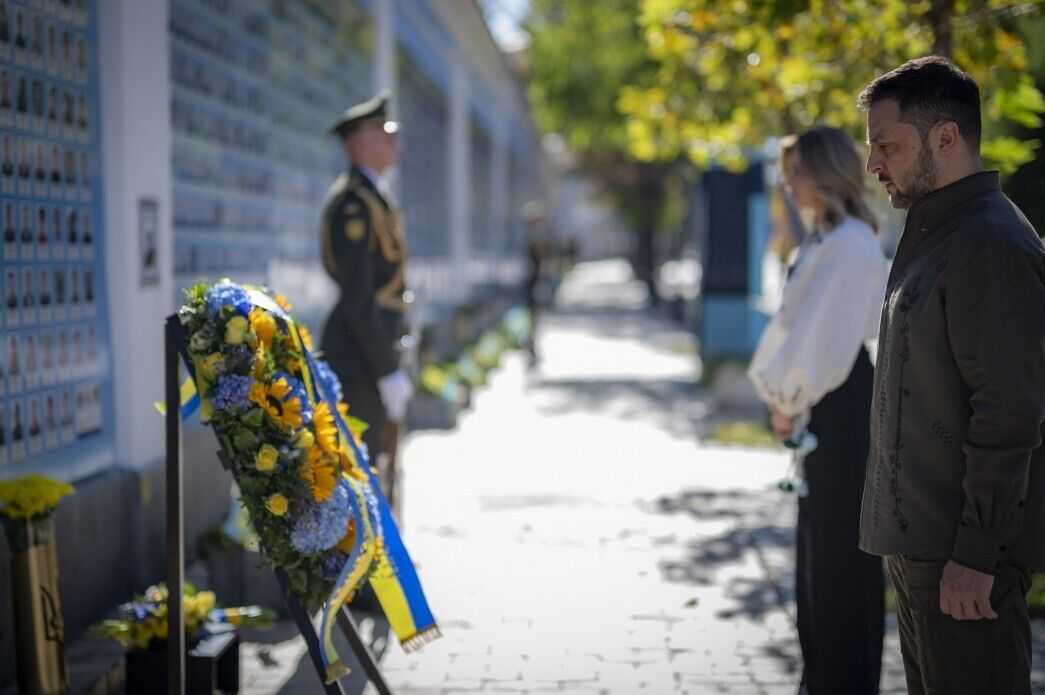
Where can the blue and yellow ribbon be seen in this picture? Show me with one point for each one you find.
(190, 400)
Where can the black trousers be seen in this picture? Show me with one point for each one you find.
(839, 588)
(944, 655)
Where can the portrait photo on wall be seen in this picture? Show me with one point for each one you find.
(36, 445)
(17, 432)
(50, 424)
(11, 303)
(14, 365)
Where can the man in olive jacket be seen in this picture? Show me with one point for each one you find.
(955, 488)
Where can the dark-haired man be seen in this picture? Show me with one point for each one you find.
(364, 251)
(955, 489)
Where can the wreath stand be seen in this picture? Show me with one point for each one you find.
(175, 349)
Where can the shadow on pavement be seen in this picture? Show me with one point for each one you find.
(760, 523)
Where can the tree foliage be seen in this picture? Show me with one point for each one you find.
(730, 73)
(582, 56)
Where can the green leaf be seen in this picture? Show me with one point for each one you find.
(357, 425)
(253, 418)
(244, 440)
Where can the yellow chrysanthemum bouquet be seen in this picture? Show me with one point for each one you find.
(31, 497)
(26, 507)
(250, 368)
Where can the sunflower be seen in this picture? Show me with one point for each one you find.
(263, 325)
(277, 401)
(318, 470)
(289, 359)
(326, 431)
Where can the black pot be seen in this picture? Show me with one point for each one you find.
(212, 665)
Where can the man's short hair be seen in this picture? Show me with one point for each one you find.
(930, 90)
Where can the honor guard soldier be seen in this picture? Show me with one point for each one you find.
(364, 251)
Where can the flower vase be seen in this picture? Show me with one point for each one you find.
(39, 627)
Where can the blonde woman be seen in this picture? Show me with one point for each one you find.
(813, 372)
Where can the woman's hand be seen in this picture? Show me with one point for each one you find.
(783, 426)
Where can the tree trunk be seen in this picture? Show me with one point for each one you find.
(651, 193)
(941, 13)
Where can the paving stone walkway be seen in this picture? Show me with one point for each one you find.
(575, 535)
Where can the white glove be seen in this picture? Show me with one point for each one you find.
(395, 390)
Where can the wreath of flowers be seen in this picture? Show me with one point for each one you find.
(287, 453)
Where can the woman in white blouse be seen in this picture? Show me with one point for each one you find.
(811, 368)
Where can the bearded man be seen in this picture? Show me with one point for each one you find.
(956, 477)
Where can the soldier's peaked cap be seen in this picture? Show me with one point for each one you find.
(374, 109)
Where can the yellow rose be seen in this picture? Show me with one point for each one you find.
(236, 330)
(266, 458)
(276, 504)
(304, 439)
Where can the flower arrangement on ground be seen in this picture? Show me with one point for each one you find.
(143, 621)
(298, 457)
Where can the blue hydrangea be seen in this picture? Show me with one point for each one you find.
(328, 381)
(227, 294)
(320, 526)
(297, 390)
(231, 393)
(331, 563)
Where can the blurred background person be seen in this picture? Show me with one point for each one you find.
(812, 370)
(538, 251)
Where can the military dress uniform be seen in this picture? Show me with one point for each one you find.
(364, 251)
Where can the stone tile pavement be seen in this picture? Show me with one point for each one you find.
(574, 535)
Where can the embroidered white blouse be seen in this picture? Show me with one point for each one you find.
(831, 306)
